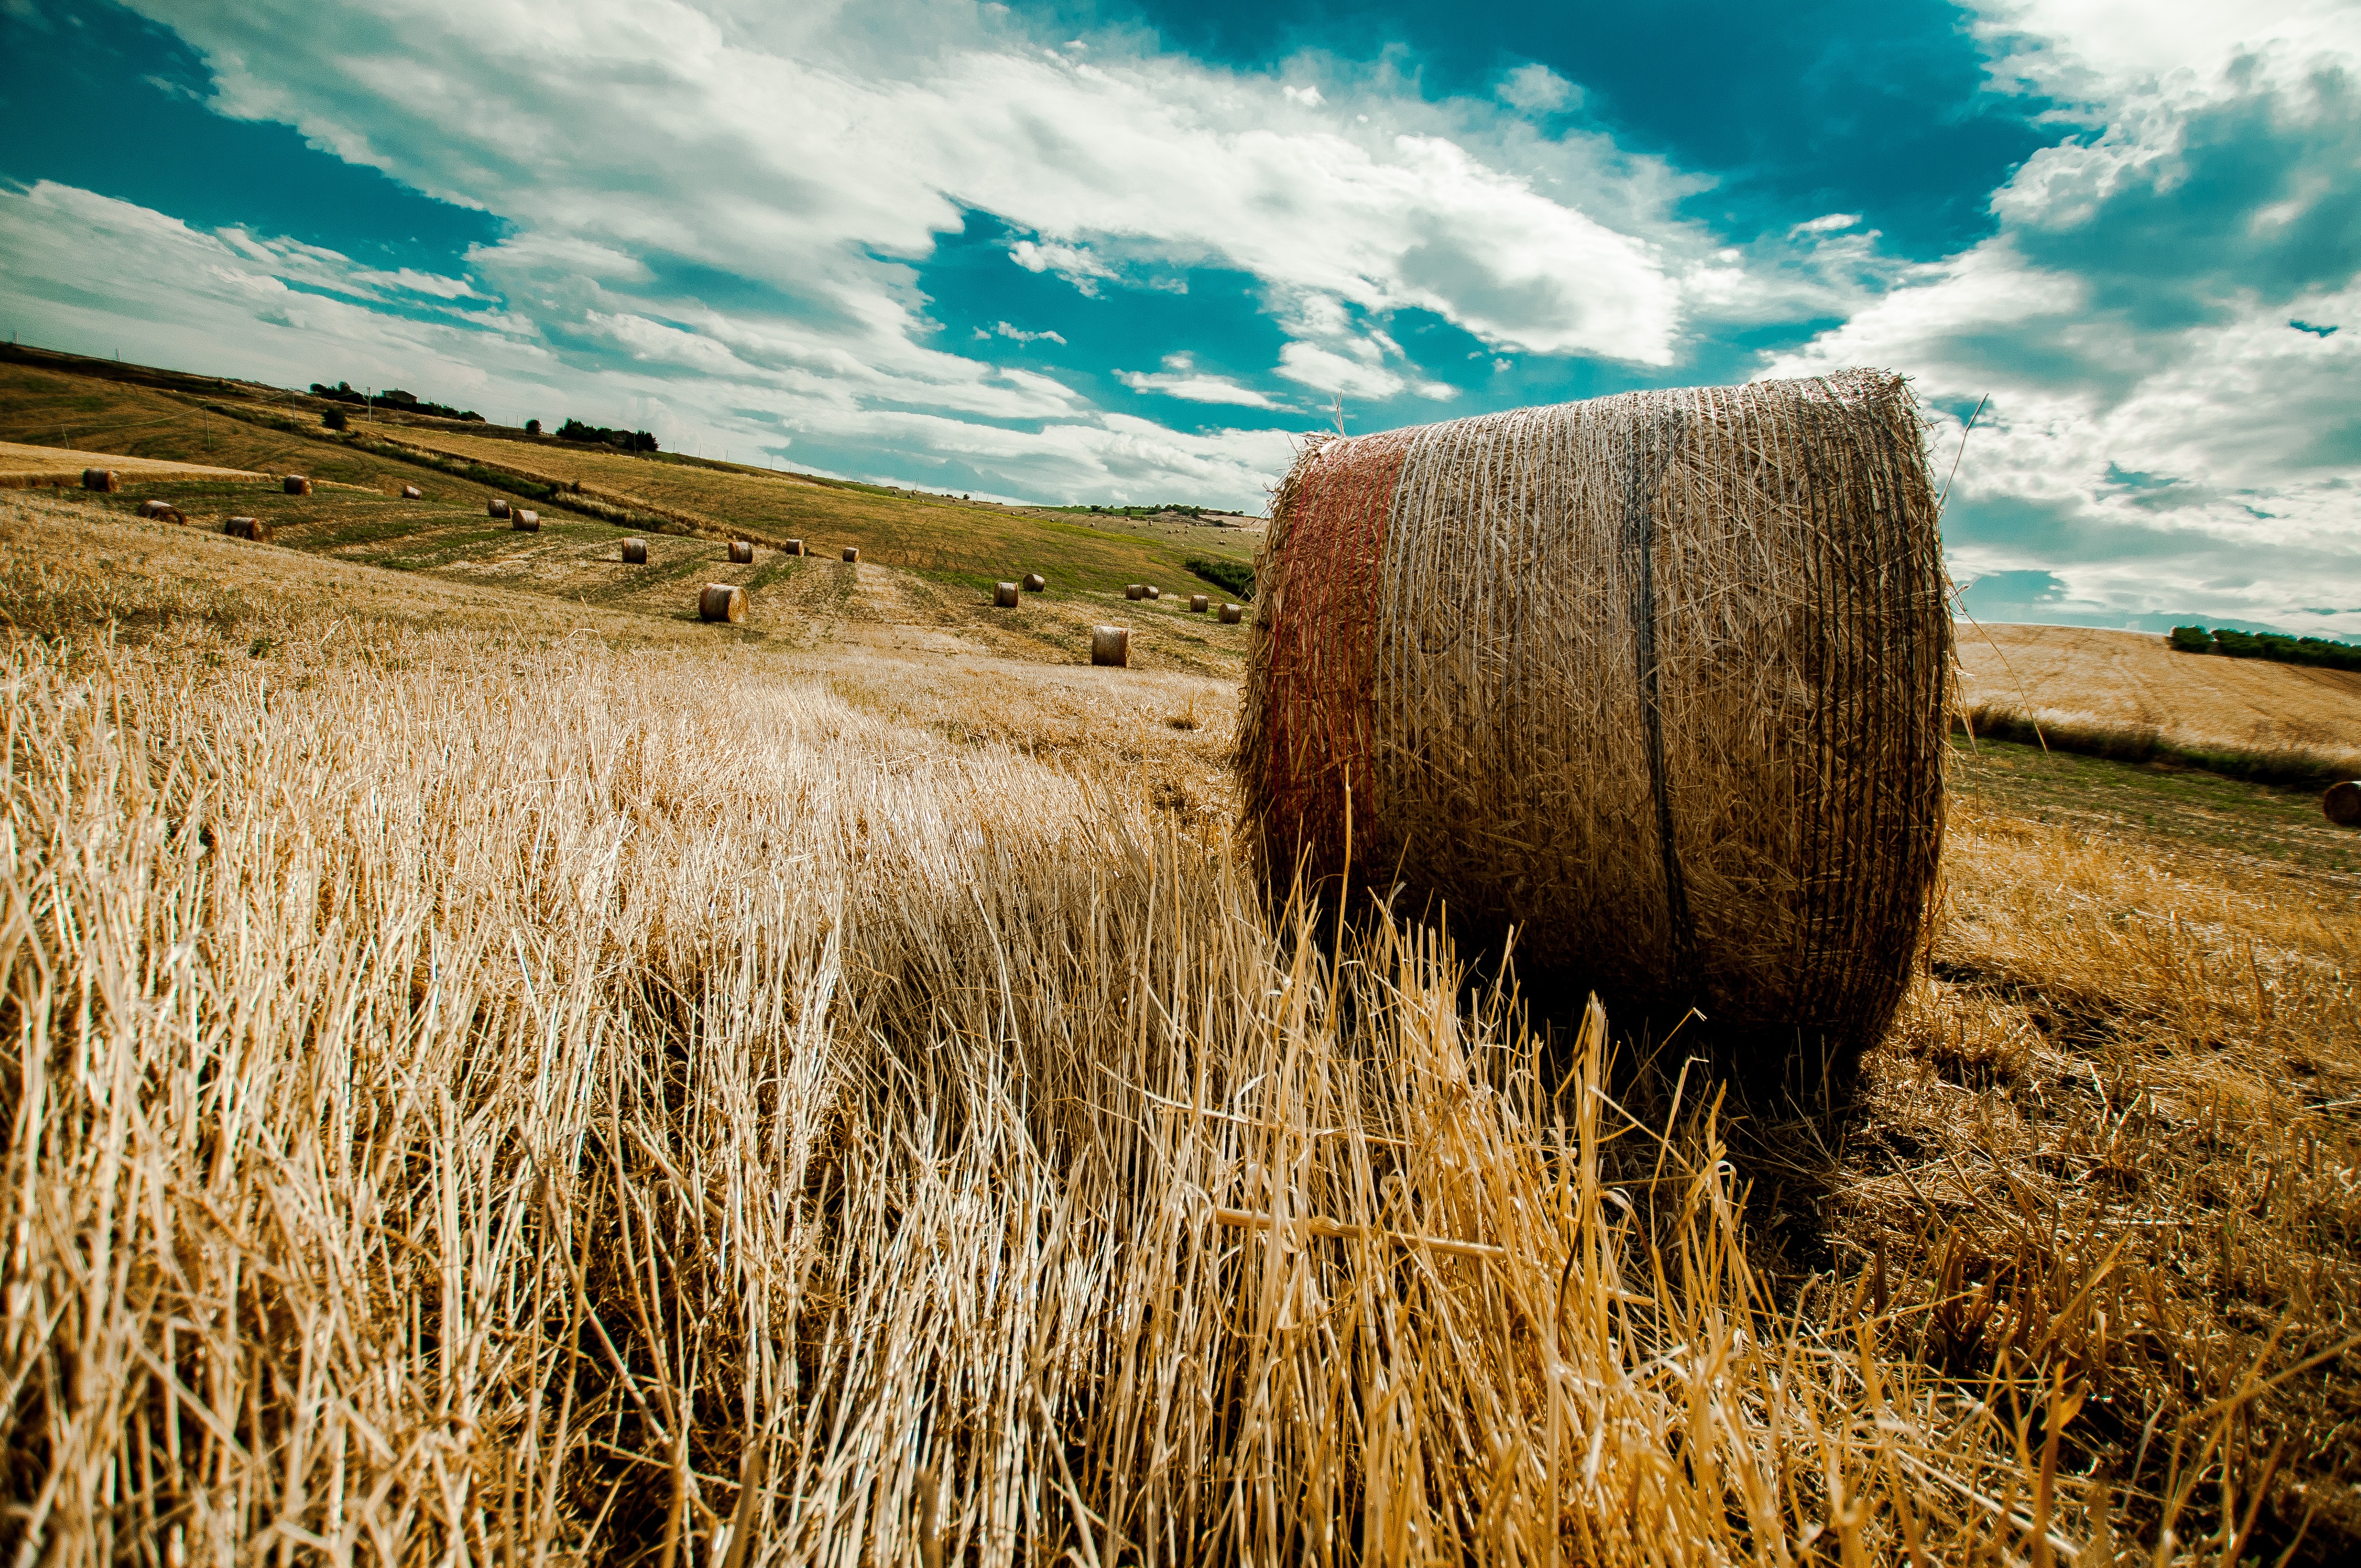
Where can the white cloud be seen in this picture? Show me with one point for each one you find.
(1017, 335)
(1536, 89)
(1181, 378)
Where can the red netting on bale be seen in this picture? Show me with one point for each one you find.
(1316, 609)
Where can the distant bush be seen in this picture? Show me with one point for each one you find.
(391, 398)
(532, 427)
(2270, 645)
(334, 419)
(1234, 576)
(599, 434)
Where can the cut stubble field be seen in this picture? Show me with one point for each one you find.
(497, 1070)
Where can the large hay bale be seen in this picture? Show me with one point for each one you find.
(524, 520)
(296, 484)
(2342, 804)
(635, 551)
(246, 527)
(741, 553)
(1233, 613)
(853, 553)
(1111, 645)
(413, 493)
(100, 480)
(1003, 596)
(496, 508)
(1658, 679)
(722, 602)
(1197, 603)
(1035, 582)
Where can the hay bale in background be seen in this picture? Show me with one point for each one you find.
(296, 484)
(2342, 804)
(1003, 596)
(525, 521)
(496, 508)
(1154, 592)
(413, 493)
(1197, 604)
(1134, 591)
(1111, 645)
(853, 553)
(100, 480)
(1035, 582)
(722, 602)
(162, 511)
(635, 551)
(794, 546)
(741, 553)
(1659, 679)
(247, 528)
(1233, 613)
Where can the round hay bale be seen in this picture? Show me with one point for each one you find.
(1154, 592)
(496, 508)
(1111, 645)
(100, 480)
(1134, 591)
(853, 553)
(296, 484)
(635, 551)
(413, 493)
(794, 546)
(1659, 679)
(1003, 596)
(741, 553)
(252, 528)
(1197, 603)
(525, 521)
(2342, 804)
(1233, 613)
(162, 511)
(1035, 582)
(722, 602)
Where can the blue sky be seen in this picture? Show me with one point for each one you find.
(1131, 252)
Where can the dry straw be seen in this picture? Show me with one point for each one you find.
(1111, 645)
(1657, 679)
(722, 602)
(635, 551)
(296, 484)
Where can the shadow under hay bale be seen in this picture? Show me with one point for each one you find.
(1003, 596)
(1659, 679)
(247, 528)
(100, 480)
(741, 553)
(722, 602)
(1035, 582)
(2342, 803)
(1111, 645)
(635, 551)
(296, 484)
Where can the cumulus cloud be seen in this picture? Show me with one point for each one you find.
(1182, 378)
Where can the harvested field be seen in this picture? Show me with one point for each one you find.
(35, 467)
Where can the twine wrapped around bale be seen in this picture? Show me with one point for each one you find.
(853, 553)
(413, 493)
(296, 484)
(1658, 679)
(2342, 804)
(1003, 596)
(635, 551)
(1134, 591)
(523, 520)
(246, 527)
(1111, 645)
(496, 508)
(1035, 582)
(741, 553)
(794, 546)
(100, 480)
(1197, 604)
(722, 602)
(1233, 613)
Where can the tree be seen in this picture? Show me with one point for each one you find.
(334, 419)
(532, 427)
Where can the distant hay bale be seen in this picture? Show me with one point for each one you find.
(1154, 592)
(741, 553)
(524, 520)
(496, 508)
(100, 480)
(794, 546)
(1035, 582)
(2342, 804)
(722, 602)
(853, 553)
(1233, 613)
(1197, 604)
(247, 528)
(162, 511)
(1003, 596)
(635, 551)
(1111, 645)
(1660, 680)
(1134, 591)
(296, 484)
(413, 493)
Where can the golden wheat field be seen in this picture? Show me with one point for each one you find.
(496, 1078)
